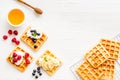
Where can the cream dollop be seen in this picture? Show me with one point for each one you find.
(29, 33)
(48, 62)
(21, 54)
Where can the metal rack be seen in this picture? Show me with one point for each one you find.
(117, 66)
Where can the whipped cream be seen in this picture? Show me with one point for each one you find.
(21, 54)
(48, 62)
(29, 33)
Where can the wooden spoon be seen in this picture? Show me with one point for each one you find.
(37, 10)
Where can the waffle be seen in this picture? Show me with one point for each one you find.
(30, 43)
(47, 52)
(97, 55)
(87, 72)
(108, 70)
(23, 66)
(112, 47)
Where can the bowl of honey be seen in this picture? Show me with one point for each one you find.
(16, 17)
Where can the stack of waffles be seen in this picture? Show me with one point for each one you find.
(100, 61)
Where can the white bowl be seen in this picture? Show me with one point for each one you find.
(18, 24)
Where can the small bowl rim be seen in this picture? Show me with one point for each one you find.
(13, 24)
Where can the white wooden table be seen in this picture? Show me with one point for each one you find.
(72, 26)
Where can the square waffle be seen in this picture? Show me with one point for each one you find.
(29, 41)
(108, 70)
(97, 55)
(87, 72)
(112, 47)
(49, 72)
(23, 66)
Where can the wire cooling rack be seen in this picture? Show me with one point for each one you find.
(75, 64)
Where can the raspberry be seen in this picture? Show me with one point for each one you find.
(13, 39)
(10, 32)
(5, 37)
(15, 32)
(19, 57)
(27, 61)
(14, 60)
(17, 42)
(14, 54)
(27, 55)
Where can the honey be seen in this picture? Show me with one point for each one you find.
(15, 17)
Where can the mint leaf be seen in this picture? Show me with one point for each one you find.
(45, 59)
(34, 34)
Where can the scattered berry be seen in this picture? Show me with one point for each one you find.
(38, 68)
(5, 37)
(10, 32)
(14, 60)
(17, 42)
(15, 32)
(36, 77)
(27, 55)
(38, 71)
(34, 71)
(14, 54)
(19, 57)
(40, 74)
(27, 61)
(13, 39)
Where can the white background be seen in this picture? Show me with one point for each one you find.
(72, 26)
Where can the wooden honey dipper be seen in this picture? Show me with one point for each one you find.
(37, 10)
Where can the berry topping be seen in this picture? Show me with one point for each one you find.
(19, 57)
(27, 55)
(17, 42)
(36, 73)
(5, 37)
(14, 60)
(38, 34)
(32, 30)
(10, 32)
(35, 46)
(14, 54)
(33, 74)
(15, 32)
(34, 40)
(36, 77)
(13, 39)
(27, 61)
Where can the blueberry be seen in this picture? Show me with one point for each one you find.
(34, 40)
(38, 34)
(33, 74)
(40, 74)
(35, 46)
(36, 77)
(32, 30)
(34, 71)
(38, 68)
(38, 71)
